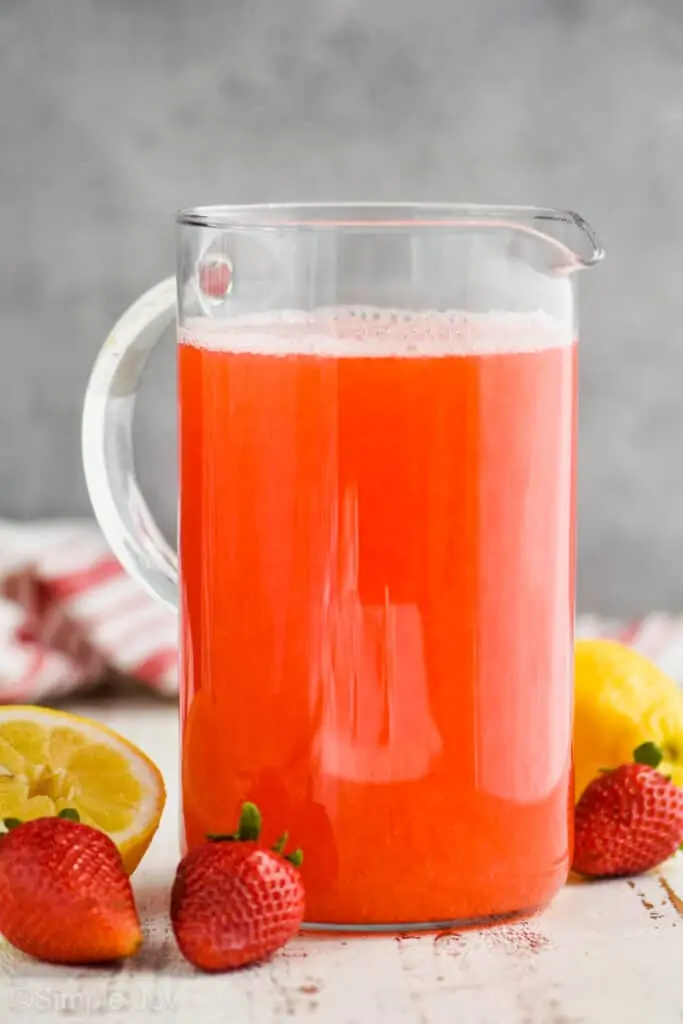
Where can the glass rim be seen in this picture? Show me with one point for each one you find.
(361, 214)
(343, 216)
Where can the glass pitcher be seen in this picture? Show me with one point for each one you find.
(375, 577)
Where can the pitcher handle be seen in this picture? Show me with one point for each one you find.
(107, 444)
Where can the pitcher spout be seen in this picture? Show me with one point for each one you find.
(573, 237)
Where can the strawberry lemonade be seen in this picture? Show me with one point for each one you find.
(377, 577)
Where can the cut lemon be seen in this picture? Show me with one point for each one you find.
(52, 760)
(622, 700)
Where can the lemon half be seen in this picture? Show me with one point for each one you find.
(623, 700)
(52, 760)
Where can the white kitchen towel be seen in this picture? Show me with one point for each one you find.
(70, 616)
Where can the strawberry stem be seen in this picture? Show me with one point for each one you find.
(648, 753)
(248, 830)
(70, 813)
(295, 858)
(250, 823)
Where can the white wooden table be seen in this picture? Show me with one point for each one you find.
(608, 953)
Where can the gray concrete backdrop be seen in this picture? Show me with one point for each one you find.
(115, 112)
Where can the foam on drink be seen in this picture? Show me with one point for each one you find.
(370, 332)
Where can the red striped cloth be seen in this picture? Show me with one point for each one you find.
(70, 616)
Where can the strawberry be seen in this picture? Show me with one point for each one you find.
(64, 896)
(215, 277)
(234, 901)
(628, 820)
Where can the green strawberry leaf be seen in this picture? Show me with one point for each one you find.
(279, 846)
(248, 831)
(250, 823)
(70, 814)
(648, 753)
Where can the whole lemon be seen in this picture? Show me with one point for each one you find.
(621, 701)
